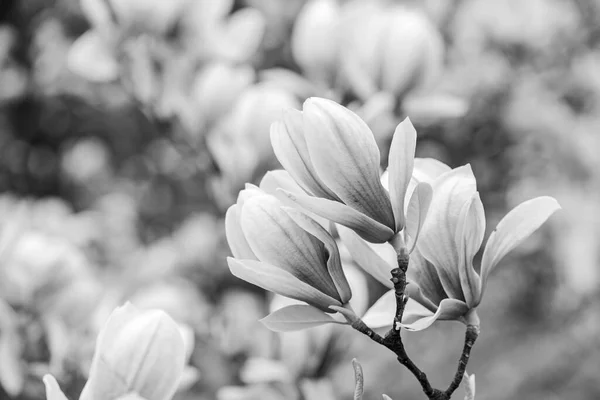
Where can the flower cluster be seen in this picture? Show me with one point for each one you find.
(281, 235)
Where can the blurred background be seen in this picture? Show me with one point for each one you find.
(127, 127)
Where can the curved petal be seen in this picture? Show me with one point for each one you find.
(277, 280)
(92, 58)
(401, 161)
(382, 313)
(366, 227)
(366, 257)
(437, 241)
(290, 149)
(469, 237)
(53, 391)
(418, 206)
(297, 317)
(425, 276)
(429, 169)
(279, 178)
(276, 239)
(514, 228)
(334, 264)
(343, 151)
(416, 317)
(235, 237)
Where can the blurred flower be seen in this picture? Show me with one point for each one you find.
(443, 283)
(333, 156)
(240, 143)
(212, 31)
(141, 352)
(286, 252)
(388, 47)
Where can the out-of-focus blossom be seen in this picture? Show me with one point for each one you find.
(284, 251)
(443, 283)
(333, 156)
(136, 352)
(213, 32)
(240, 144)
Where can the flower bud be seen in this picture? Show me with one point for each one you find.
(136, 352)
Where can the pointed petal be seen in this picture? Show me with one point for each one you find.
(334, 264)
(53, 391)
(469, 237)
(426, 278)
(366, 257)
(418, 206)
(344, 153)
(235, 237)
(275, 279)
(366, 227)
(276, 239)
(297, 317)
(418, 317)
(279, 178)
(92, 58)
(382, 312)
(290, 149)
(429, 169)
(437, 241)
(401, 160)
(514, 228)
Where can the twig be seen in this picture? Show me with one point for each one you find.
(470, 338)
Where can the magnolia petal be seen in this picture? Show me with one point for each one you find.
(401, 160)
(425, 276)
(277, 280)
(366, 227)
(344, 153)
(279, 178)
(297, 317)
(290, 149)
(418, 206)
(366, 257)
(92, 58)
(416, 317)
(242, 34)
(334, 264)
(235, 237)
(53, 391)
(514, 228)
(437, 241)
(429, 169)
(382, 313)
(469, 237)
(276, 239)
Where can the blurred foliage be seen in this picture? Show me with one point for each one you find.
(114, 183)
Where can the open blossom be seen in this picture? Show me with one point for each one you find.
(137, 352)
(284, 251)
(332, 155)
(443, 283)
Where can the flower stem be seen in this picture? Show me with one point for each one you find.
(470, 338)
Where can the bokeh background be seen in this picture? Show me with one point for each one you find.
(127, 127)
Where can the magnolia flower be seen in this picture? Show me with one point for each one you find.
(332, 155)
(284, 251)
(137, 352)
(443, 283)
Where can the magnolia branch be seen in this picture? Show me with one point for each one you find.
(393, 339)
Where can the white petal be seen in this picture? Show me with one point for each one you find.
(235, 237)
(418, 207)
(469, 237)
(429, 169)
(334, 264)
(366, 227)
(53, 391)
(514, 228)
(437, 241)
(401, 160)
(344, 153)
(297, 317)
(91, 57)
(382, 313)
(418, 317)
(426, 278)
(366, 257)
(276, 280)
(242, 34)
